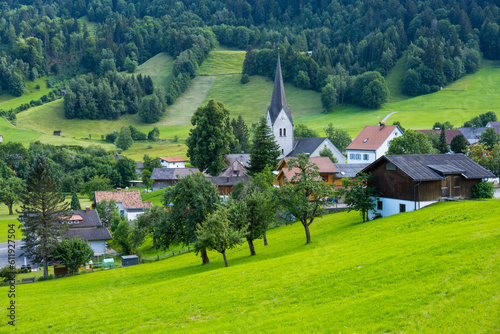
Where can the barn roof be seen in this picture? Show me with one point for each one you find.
(131, 199)
(172, 173)
(433, 167)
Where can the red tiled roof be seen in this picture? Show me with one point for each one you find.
(130, 199)
(325, 165)
(174, 159)
(450, 134)
(371, 137)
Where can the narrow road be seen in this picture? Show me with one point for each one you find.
(4, 254)
(389, 115)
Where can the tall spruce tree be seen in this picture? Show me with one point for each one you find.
(442, 146)
(43, 210)
(265, 151)
(75, 202)
(210, 138)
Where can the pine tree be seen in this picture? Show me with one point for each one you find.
(442, 146)
(264, 151)
(42, 210)
(75, 202)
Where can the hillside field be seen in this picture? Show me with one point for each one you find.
(434, 270)
(457, 103)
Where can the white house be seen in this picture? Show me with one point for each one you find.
(173, 162)
(129, 202)
(372, 143)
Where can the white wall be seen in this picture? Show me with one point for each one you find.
(282, 122)
(361, 160)
(179, 164)
(382, 150)
(132, 215)
(390, 206)
(99, 247)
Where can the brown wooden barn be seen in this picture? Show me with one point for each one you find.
(409, 182)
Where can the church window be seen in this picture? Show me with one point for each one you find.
(284, 132)
(281, 132)
(282, 151)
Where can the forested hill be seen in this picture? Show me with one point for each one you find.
(444, 39)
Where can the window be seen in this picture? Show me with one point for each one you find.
(390, 166)
(402, 207)
(380, 205)
(365, 156)
(351, 156)
(284, 132)
(281, 132)
(282, 151)
(366, 139)
(325, 178)
(358, 156)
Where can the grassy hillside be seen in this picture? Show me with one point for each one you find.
(159, 68)
(223, 62)
(435, 270)
(12, 133)
(8, 101)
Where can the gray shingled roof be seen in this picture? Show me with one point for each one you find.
(278, 101)
(305, 145)
(227, 181)
(172, 173)
(89, 234)
(90, 219)
(349, 170)
(244, 158)
(472, 134)
(432, 167)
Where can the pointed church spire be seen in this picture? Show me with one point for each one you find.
(278, 100)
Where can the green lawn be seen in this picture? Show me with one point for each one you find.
(222, 62)
(154, 196)
(6, 220)
(12, 133)
(393, 81)
(435, 270)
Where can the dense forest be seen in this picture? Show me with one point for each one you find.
(439, 40)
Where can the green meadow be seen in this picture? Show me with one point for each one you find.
(435, 270)
(159, 68)
(221, 62)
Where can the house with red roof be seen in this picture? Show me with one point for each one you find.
(372, 143)
(173, 162)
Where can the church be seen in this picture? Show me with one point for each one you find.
(279, 119)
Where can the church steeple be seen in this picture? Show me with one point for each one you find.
(278, 101)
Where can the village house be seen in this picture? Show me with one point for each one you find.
(327, 170)
(166, 177)
(129, 202)
(449, 133)
(173, 162)
(372, 143)
(410, 182)
(86, 225)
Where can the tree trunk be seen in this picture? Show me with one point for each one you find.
(251, 246)
(265, 238)
(10, 209)
(45, 268)
(204, 256)
(308, 234)
(225, 259)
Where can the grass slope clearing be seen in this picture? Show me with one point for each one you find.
(221, 62)
(8, 101)
(159, 68)
(434, 270)
(252, 99)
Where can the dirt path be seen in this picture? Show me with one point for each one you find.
(181, 112)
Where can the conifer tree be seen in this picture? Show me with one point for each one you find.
(75, 202)
(264, 151)
(442, 146)
(42, 211)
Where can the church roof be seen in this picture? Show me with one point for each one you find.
(278, 101)
(305, 145)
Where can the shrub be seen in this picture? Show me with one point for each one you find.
(483, 190)
(245, 79)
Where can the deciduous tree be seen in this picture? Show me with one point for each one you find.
(411, 142)
(9, 191)
(359, 195)
(73, 253)
(210, 138)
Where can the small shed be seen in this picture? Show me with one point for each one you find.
(129, 260)
(60, 270)
(1, 138)
(108, 263)
(57, 132)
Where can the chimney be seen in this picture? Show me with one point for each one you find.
(118, 190)
(87, 209)
(382, 124)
